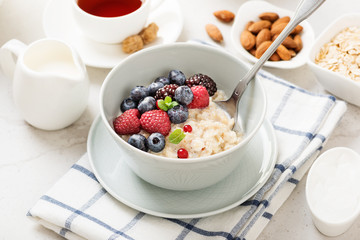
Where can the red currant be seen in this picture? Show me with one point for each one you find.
(187, 128)
(182, 153)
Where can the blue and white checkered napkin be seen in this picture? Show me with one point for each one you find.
(302, 120)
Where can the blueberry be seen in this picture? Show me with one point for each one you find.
(127, 104)
(183, 95)
(138, 93)
(178, 114)
(177, 77)
(153, 87)
(156, 142)
(147, 104)
(163, 80)
(139, 141)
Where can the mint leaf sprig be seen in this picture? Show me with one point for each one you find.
(166, 104)
(176, 136)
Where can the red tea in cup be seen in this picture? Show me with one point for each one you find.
(109, 8)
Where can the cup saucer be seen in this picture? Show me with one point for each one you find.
(58, 22)
(106, 159)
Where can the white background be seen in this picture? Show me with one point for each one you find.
(32, 160)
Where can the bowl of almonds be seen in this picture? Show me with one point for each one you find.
(258, 23)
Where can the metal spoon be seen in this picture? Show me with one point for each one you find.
(304, 10)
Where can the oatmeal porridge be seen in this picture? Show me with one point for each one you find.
(176, 117)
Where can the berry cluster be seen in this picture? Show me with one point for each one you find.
(154, 107)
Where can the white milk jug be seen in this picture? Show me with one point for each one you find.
(51, 85)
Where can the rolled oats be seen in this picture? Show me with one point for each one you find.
(342, 54)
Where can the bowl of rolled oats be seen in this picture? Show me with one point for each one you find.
(335, 58)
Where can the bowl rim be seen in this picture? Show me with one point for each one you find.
(157, 158)
(322, 39)
(235, 36)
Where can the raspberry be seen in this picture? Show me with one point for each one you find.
(156, 121)
(128, 122)
(203, 80)
(167, 90)
(201, 97)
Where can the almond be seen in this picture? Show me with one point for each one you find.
(283, 52)
(285, 19)
(252, 51)
(265, 31)
(214, 32)
(270, 16)
(298, 41)
(292, 52)
(263, 35)
(288, 41)
(259, 25)
(262, 48)
(278, 28)
(275, 57)
(297, 30)
(247, 40)
(274, 37)
(248, 25)
(224, 15)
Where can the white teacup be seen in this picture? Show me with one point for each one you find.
(51, 84)
(113, 29)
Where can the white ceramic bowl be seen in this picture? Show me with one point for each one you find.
(249, 11)
(142, 68)
(332, 190)
(337, 84)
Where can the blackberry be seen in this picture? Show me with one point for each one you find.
(167, 90)
(203, 80)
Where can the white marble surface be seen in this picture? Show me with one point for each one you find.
(33, 160)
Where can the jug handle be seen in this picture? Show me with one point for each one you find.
(9, 53)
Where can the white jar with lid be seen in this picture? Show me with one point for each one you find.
(333, 192)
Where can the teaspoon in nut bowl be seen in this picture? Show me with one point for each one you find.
(303, 10)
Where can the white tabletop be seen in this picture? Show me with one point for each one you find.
(33, 160)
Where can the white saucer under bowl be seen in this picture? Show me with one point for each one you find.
(106, 159)
(58, 22)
